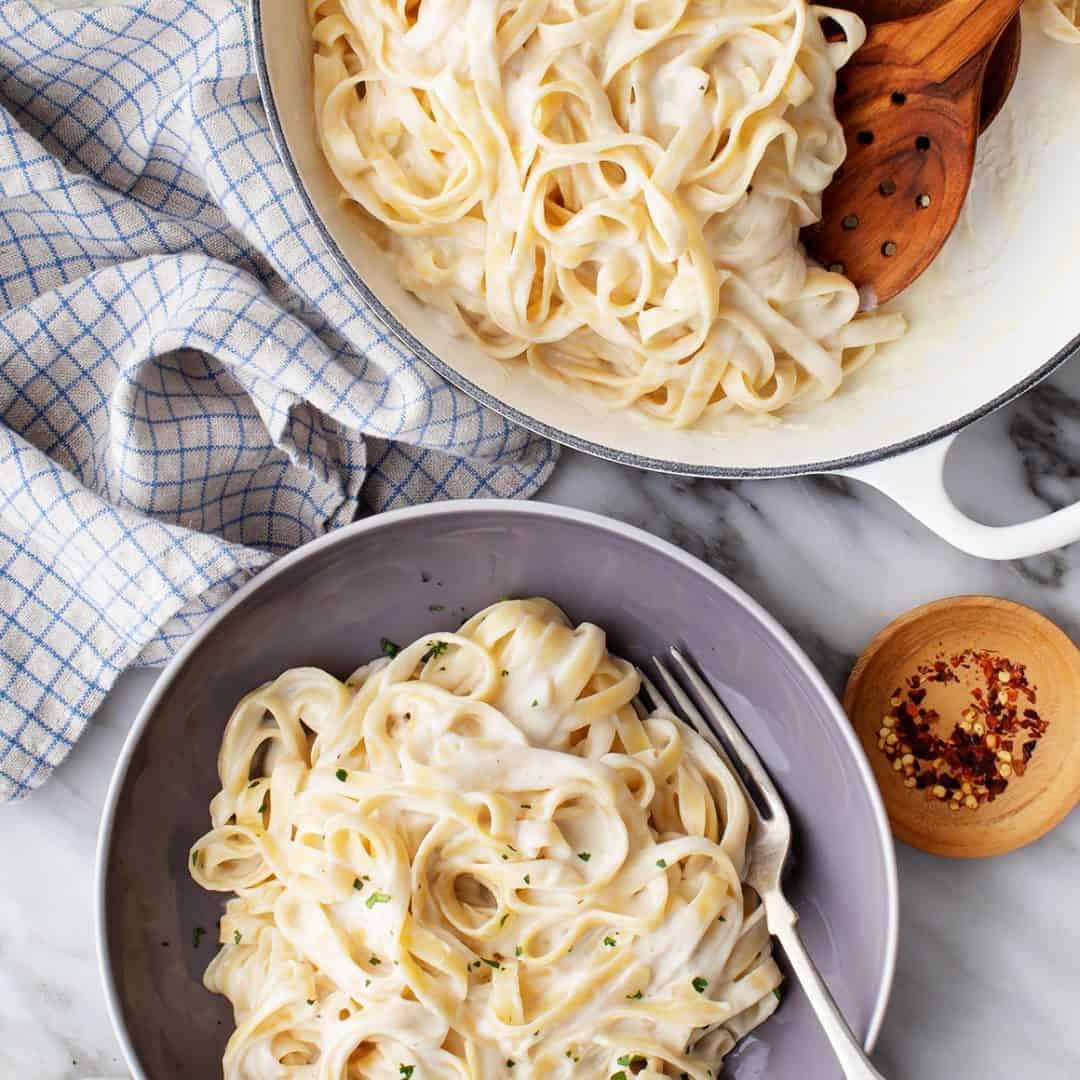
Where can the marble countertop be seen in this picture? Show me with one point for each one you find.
(987, 982)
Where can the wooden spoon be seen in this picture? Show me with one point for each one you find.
(911, 113)
(1000, 74)
(1001, 67)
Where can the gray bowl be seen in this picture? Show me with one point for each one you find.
(400, 575)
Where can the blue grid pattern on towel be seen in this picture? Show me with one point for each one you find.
(188, 387)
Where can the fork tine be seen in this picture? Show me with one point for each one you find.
(658, 698)
(694, 717)
(641, 706)
(738, 742)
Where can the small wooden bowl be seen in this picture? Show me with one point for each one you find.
(1032, 804)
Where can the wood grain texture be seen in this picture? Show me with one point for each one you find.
(909, 101)
(1049, 789)
(1001, 65)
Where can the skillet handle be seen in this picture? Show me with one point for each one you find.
(915, 480)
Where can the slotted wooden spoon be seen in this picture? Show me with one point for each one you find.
(1001, 66)
(911, 114)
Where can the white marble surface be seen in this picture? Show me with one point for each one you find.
(988, 983)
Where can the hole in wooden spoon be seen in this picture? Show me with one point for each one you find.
(888, 249)
(922, 201)
(898, 98)
(865, 137)
(887, 188)
(850, 222)
(922, 142)
(832, 30)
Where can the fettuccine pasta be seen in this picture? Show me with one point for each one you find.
(479, 857)
(608, 190)
(1060, 19)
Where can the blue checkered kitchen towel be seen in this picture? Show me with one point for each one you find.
(187, 387)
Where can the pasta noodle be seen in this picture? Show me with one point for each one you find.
(477, 855)
(1060, 19)
(609, 190)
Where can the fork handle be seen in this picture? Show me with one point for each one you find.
(853, 1061)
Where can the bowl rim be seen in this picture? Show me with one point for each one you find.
(566, 438)
(466, 507)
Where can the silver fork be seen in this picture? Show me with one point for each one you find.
(770, 843)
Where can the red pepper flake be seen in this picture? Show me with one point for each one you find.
(971, 764)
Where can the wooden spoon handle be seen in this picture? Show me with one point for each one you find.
(941, 42)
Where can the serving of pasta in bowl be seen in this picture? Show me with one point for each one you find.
(398, 810)
(587, 214)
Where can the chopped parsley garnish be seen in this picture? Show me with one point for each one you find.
(311, 1001)
(406, 1070)
(504, 673)
(527, 880)
(506, 915)
(509, 1063)
(342, 775)
(377, 898)
(194, 858)
(635, 1061)
(264, 805)
(389, 648)
(620, 1075)
(699, 984)
(357, 884)
(662, 863)
(518, 951)
(374, 961)
(609, 942)
(535, 702)
(197, 935)
(720, 918)
(491, 963)
(434, 648)
(237, 937)
(634, 997)
(584, 856)
(779, 996)
(526, 806)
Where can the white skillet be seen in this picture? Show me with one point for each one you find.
(997, 312)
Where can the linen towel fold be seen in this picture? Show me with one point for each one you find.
(187, 386)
